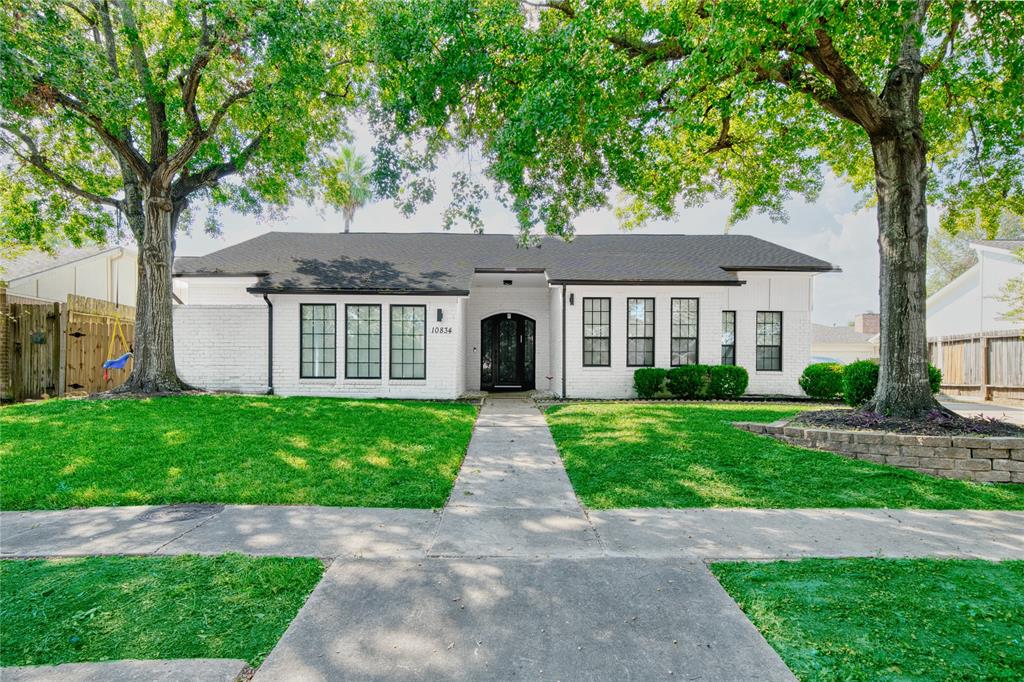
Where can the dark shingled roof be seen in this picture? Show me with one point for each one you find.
(445, 262)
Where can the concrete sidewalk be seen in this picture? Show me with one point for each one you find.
(180, 670)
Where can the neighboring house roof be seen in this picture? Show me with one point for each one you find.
(1003, 244)
(35, 262)
(445, 262)
(824, 334)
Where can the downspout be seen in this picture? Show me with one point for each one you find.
(270, 345)
(564, 368)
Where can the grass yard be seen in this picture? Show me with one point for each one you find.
(881, 619)
(60, 454)
(644, 455)
(111, 608)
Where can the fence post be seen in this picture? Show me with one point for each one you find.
(6, 386)
(985, 369)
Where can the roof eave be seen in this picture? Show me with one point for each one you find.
(358, 292)
(651, 282)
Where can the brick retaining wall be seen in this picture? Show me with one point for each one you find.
(971, 458)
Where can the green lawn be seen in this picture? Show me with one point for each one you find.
(880, 619)
(231, 449)
(649, 455)
(110, 608)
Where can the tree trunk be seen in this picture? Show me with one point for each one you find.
(154, 370)
(901, 176)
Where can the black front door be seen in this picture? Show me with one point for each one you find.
(507, 347)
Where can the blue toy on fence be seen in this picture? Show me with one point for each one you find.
(119, 362)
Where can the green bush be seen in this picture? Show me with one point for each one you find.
(935, 378)
(823, 380)
(859, 381)
(727, 381)
(688, 382)
(861, 378)
(648, 381)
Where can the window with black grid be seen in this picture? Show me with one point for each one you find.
(728, 337)
(597, 332)
(769, 341)
(408, 342)
(362, 342)
(685, 315)
(640, 332)
(317, 342)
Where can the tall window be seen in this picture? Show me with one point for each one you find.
(640, 332)
(685, 313)
(769, 341)
(728, 337)
(408, 342)
(362, 342)
(597, 332)
(317, 340)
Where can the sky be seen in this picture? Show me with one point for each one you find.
(832, 228)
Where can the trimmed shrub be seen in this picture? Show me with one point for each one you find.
(823, 380)
(648, 381)
(688, 382)
(727, 381)
(935, 378)
(859, 381)
(861, 378)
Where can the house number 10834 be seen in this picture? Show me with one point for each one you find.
(440, 330)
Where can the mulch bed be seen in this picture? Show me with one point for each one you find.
(936, 423)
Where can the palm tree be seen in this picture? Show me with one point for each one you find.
(348, 183)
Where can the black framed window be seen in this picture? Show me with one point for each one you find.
(685, 321)
(362, 341)
(317, 345)
(597, 332)
(728, 337)
(408, 342)
(769, 341)
(640, 332)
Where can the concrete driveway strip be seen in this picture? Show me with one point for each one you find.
(720, 534)
(184, 670)
(500, 619)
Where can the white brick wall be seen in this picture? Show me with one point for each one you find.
(785, 292)
(216, 291)
(443, 350)
(222, 347)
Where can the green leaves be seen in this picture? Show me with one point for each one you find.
(653, 106)
(184, 93)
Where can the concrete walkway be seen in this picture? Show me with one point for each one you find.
(181, 670)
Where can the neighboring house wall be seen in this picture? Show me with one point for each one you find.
(971, 302)
(108, 276)
(222, 347)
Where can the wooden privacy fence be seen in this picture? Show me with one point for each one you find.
(52, 349)
(989, 365)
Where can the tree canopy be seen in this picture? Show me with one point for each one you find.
(94, 92)
(652, 106)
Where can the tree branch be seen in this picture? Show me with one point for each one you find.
(37, 160)
(947, 44)
(117, 145)
(154, 102)
(212, 174)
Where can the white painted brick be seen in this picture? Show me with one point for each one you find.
(222, 347)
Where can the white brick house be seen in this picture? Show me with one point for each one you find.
(443, 315)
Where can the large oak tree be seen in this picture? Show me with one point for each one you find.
(648, 106)
(125, 112)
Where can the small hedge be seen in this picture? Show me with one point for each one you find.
(727, 381)
(860, 379)
(823, 380)
(648, 381)
(691, 382)
(688, 382)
